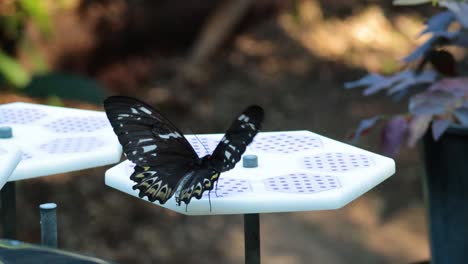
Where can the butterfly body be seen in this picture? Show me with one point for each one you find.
(165, 162)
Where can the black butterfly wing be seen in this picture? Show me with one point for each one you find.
(158, 183)
(200, 180)
(225, 156)
(147, 137)
(237, 138)
(162, 154)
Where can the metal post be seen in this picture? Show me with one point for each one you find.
(252, 238)
(445, 186)
(8, 197)
(251, 223)
(48, 224)
(8, 213)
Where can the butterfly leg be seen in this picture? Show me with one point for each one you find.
(216, 189)
(209, 199)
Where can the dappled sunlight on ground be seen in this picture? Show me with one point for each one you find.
(368, 39)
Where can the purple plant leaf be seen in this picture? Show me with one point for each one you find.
(364, 126)
(428, 76)
(459, 9)
(461, 114)
(421, 50)
(431, 103)
(439, 22)
(398, 96)
(461, 39)
(403, 85)
(456, 86)
(401, 76)
(439, 126)
(437, 38)
(417, 127)
(393, 135)
(369, 79)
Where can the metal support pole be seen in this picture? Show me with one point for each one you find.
(252, 238)
(8, 212)
(8, 198)
(49, 224)
(251, 223)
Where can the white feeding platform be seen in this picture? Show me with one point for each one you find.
(297, 171)
(10, 156)
(58, 139)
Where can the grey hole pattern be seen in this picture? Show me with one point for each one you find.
(208, 143)
(229, 187)
(77, 124)
(130, 167)
(285, 143)
(26, 156)
(302, 183)
(20, 115)
(72, 145)
(338, 162)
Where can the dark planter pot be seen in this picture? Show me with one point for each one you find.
(446, 189)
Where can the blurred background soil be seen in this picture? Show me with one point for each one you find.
(291, 57)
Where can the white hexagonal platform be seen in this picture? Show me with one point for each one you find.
(58, 139)
(10, 156)
(298, 171)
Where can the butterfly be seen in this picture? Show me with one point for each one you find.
(165, 162)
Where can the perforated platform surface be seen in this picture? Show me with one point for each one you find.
(10, 156)
(58, 139)
(298, 171)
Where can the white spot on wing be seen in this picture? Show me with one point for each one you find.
(144, 140)
(243, 118)
(149, 148)
(227, 154)
(146, 110)
(167, 136)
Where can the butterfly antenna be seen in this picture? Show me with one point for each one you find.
(205, 147)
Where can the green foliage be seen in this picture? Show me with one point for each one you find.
(37, 12)
(12, 25)
(38, 81)
(12, 71)
(65, 86)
